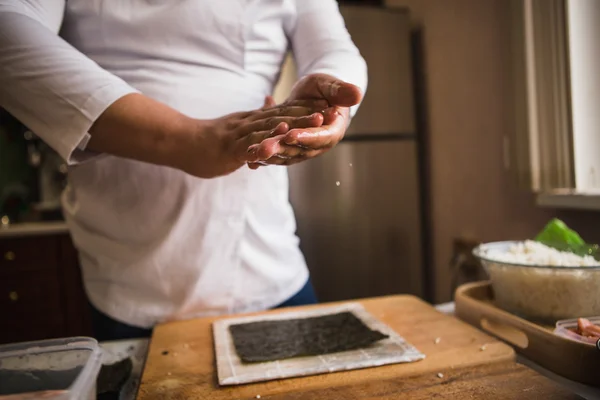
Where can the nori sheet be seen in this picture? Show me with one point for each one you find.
(277, 340)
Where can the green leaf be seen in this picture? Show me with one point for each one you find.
(557, 234)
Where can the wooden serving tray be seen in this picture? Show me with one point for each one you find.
(577, 361)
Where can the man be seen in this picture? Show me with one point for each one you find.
(148, 102)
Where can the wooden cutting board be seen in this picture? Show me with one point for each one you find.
(496, 381)
(181, 364)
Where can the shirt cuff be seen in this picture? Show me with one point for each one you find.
(73, 145)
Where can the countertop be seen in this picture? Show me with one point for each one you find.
(137, 348)
(33, 229)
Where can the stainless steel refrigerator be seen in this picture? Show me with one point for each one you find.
(358, 206)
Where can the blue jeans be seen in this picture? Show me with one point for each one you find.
(105, 328)
(304, 297)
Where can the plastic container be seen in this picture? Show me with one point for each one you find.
(56, 369)
(567, 329)
(541, 293)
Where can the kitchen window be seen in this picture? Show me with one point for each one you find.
(555, 148)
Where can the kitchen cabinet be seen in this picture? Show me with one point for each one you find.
(41, 293)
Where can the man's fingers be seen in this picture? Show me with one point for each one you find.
(250, 145)
(280, 150)
(310, 121)
(274, 148)
(274, 151)
(332, 113)
(257, 165)
(284, 111)
(313, 138)
(278, 160)
(269, 102)
(322, 137)
(269, 148)
(317, 104)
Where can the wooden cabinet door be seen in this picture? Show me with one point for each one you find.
(31, 306)
(76, 307)
(41, 292)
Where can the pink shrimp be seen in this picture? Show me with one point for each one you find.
(586, 328)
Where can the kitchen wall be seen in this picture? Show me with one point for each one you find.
(468, 73)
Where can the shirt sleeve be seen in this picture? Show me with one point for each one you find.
(321, 43)
(48, 85)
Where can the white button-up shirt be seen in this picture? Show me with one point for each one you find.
(155, 243)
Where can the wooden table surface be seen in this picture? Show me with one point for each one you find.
(181, 365)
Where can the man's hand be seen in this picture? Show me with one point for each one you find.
(224, 144)
(318, 91)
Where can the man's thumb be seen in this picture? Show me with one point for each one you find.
(340, 93)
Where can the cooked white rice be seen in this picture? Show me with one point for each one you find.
(530, 252)
(542, 293)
